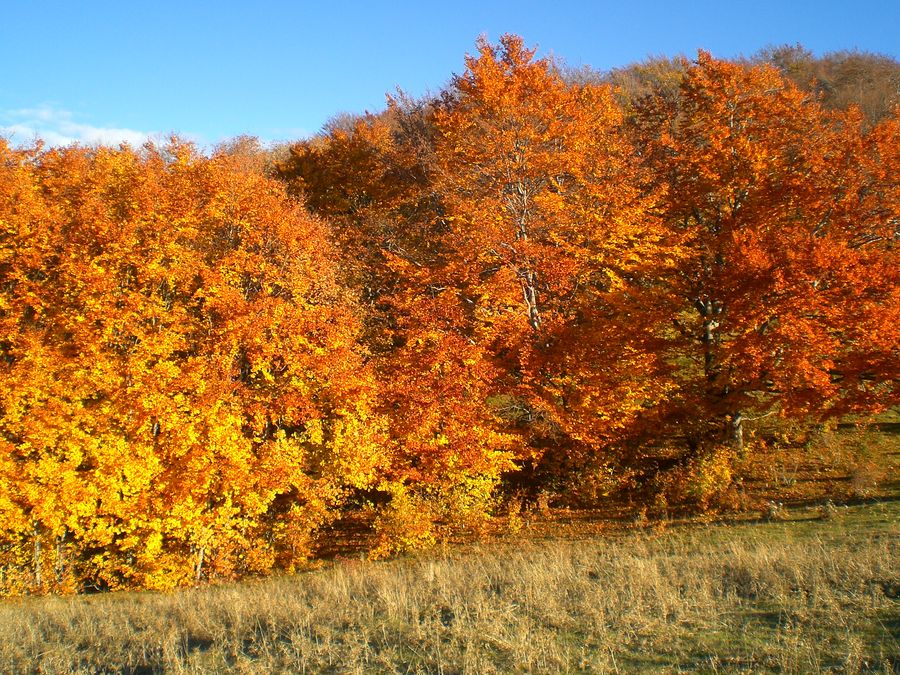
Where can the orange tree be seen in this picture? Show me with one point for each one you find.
(370, 177)
(783, 297)
(544, 228)
(182, 393)
(373, 178)
(498, 231)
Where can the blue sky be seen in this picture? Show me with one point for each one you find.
(105, 71)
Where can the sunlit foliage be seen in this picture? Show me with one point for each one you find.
(535, 283)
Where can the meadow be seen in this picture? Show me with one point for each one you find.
(815, 590)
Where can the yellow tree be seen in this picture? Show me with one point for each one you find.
(182, 392)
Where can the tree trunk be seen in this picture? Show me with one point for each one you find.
(518, 203)
(529, 291)
(37, 562)
(736, 428)
(198, 568)
(709, 310)
(60, 566)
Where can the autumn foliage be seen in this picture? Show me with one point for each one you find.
(785, 278)
(183, 394)
(529, 284)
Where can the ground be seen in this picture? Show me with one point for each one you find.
(795, 572)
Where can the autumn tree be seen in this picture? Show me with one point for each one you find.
(841, 79)
(786, 285)
(544, 223)
(373, 178)
(182, 392)
(501, 226)
(655, 76)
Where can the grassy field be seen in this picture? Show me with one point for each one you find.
(816, 591)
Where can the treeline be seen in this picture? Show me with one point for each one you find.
(838, 80)
(534, 283)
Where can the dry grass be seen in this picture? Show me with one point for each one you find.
(818, 592)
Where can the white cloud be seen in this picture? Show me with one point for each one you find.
(59, 127)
